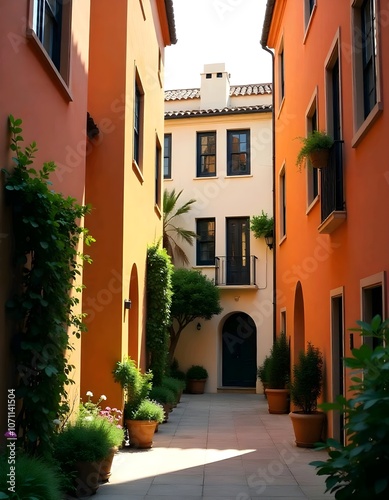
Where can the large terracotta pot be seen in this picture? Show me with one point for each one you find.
(278, 400)
(308, 427)
(87, 480)
(141, 433)
(196, 386)
(319, 158)
(106, 465)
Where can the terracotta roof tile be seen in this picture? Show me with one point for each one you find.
(235, 90)
(263, 108)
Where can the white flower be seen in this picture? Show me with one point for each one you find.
(88, 419)
(90, 394)
(103, 397)
(56, 421)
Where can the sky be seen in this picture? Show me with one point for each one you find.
(217, 31)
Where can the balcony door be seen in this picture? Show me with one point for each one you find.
(238, 251)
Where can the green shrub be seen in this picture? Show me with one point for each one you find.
(314, 141)
(263, 371)
(359, 469)
(279, 364)
(174, 384)
(307, 379)
(262, 225)
(162, 395)
(196, 372)
(148, 410)
(35, 479)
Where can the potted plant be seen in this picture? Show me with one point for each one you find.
(176, 385)
(263, 374)
(262, 225)
(165, 397)
(316, 149)
(80, 448)
(142, 423)
(278, 373)
(305, 390)
(196, 377)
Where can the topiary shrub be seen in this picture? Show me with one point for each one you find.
(196, 372)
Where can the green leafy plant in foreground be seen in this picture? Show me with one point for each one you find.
(47, 232)
(359, 469)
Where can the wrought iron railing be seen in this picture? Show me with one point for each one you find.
(331, 193)
(235, 270)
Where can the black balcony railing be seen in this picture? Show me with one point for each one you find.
(331, 195)
(236, 270)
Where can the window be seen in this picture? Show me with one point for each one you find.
(309, 6)
(167, 156)
(138, 123)
(368, 56)
(373, 301)
(281, 72)
(49, 27)
(282, 193)
(366, 67)
(238, 152)
(206, 154)
(312, 173)
(158, 183)
(205, 243)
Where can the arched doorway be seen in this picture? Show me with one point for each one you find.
(299, 323)
(239, 351)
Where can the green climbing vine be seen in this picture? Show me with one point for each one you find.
(159, 298)
(46, 259)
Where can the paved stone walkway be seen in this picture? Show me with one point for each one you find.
(218, 447)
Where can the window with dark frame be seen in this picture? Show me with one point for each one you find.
(282, 205)
(368, 55)
(311, 4)
(238, 152)
(206, 154)
(315, 173)
(137, 112)
(205, 242)
(48, 27)
(167, 156)
(158, 183)
(282, 74)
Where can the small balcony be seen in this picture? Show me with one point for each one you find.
(236, 271)
(333, 207)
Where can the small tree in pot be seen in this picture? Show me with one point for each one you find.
(305, 390)
(279, 373)
(196, 378)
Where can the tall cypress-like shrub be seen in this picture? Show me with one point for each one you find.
(159, 298)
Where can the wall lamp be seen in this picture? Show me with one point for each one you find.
(198, 326)
(269, 238)
(127, 304)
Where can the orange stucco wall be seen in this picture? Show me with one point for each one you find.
(124, 220)
(359, 247)
(29, 89)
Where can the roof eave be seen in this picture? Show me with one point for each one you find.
(188, 114)
(267, 22)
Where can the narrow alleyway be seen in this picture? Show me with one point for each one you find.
(219, 447)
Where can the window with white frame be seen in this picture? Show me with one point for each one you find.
(366, 64)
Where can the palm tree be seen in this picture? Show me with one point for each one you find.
(170, 211)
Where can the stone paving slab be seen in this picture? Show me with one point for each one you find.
(218, 447)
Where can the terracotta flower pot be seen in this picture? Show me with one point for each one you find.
(106, 465)
(319, 158)
(308, 427)
(196, 386)
(87, 480)
(141, 433)
(278, 400)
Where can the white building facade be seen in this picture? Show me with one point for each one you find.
(218, 150)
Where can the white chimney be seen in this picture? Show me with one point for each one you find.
(215, 87)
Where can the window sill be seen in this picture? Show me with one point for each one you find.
(281, 106)
(237, 287)
(332, 222)
(205, 177)
(157, 210)
(308, 27)
(282, 240)
(244, 176)
(204, 266)
(313, 203)
(364, 128)
(138, 172)
(54, 73)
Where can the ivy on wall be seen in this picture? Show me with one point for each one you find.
(159, 298)
(47, 232)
